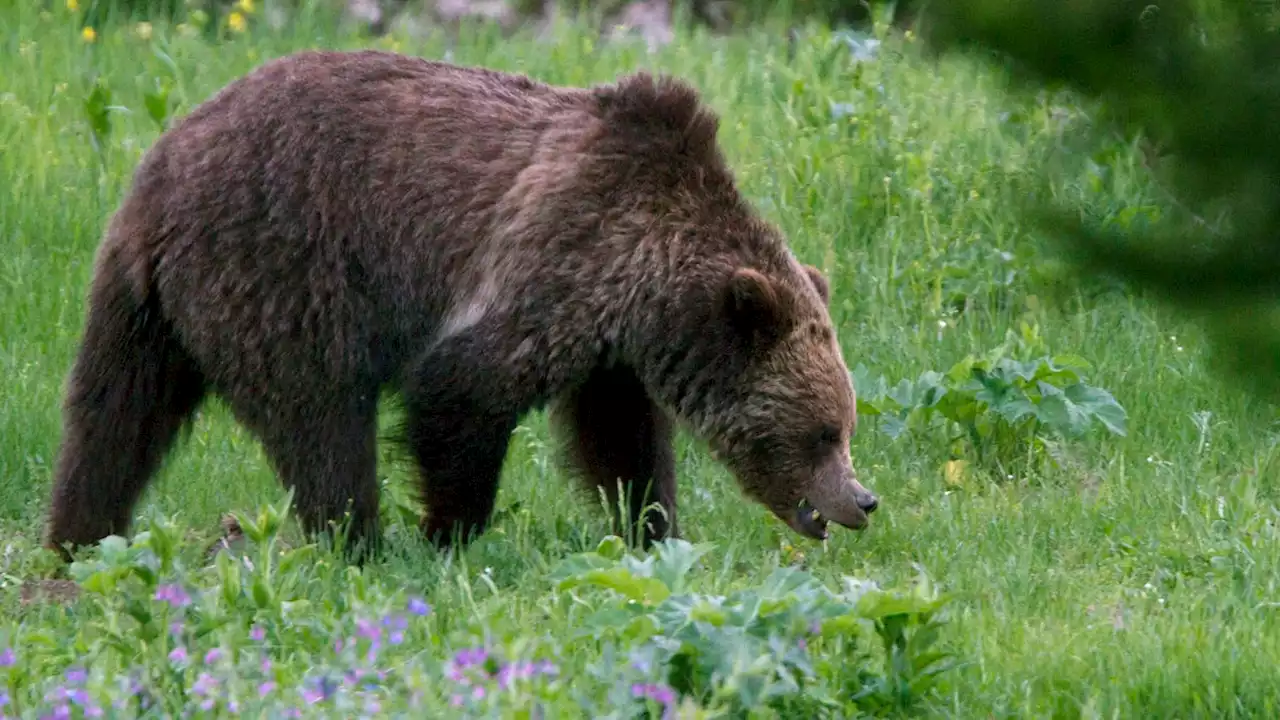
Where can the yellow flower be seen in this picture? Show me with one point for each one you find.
(236, 22)
(143, 30)
(73, 5)
(953, 472)
(246, 6)
(89, 34)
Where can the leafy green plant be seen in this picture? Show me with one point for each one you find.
(994, 402)
(756, 646)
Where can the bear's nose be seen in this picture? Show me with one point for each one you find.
(868, 503)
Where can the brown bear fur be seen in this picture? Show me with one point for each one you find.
(336, 224)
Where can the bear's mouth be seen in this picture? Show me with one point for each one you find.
(808, 521)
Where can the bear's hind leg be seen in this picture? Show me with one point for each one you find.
(328, 457)
(615, 435)
(131, 390)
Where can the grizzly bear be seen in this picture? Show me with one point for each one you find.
(334, 225)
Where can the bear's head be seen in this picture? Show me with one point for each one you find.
(786, 432)
(749, 359)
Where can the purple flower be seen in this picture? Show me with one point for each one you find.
(205, 684)
(258, 634)
(175, 628)
(658, 693)
(265, 688)
(470, 656)
(76, 676)
(367, 629)
(173, 594)
(397, 624)
(7, 657)
(321, 689)
(178, 655)
(418, 606)
(78, 696)
(212, 656)
(4, 699)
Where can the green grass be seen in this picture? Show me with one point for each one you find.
(1106, 576)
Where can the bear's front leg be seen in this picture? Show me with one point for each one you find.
(617, 439)
(461, 414)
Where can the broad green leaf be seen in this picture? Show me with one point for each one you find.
(1102, 405)
(641, 589)
(1058, 412)
(674, 558)
(611, 547)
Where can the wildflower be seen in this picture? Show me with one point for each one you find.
(173, 594)
(366, 629)
(320, 689)
(204, 687)
(212, 656)
(258, 634)
(89, 34)
(178, 655)
(78, 696)
(245, 6)
(73, 5)
(397, 624)
(7, 657)
(418, 606)
(76, 676)
(265, 688)
(236, 21)
(471, 656)
(143, 30)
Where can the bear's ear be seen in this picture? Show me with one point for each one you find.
(754, 308)
(819, 283)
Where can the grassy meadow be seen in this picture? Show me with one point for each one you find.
(1129, 569)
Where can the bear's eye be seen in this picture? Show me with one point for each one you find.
(829, 435)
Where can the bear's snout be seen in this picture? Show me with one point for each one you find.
(868, 502)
